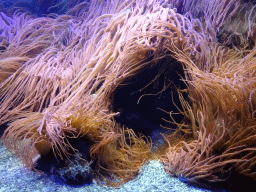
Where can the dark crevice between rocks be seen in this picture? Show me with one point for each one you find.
(145, 100)
(76, 169)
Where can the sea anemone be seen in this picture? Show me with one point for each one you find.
(75, 76)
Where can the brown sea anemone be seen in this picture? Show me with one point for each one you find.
(60, 74)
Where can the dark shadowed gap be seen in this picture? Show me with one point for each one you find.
(143, 98)
(76, 171)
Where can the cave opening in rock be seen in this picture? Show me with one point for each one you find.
(145, 100)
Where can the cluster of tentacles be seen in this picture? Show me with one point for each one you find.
(61, 76)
